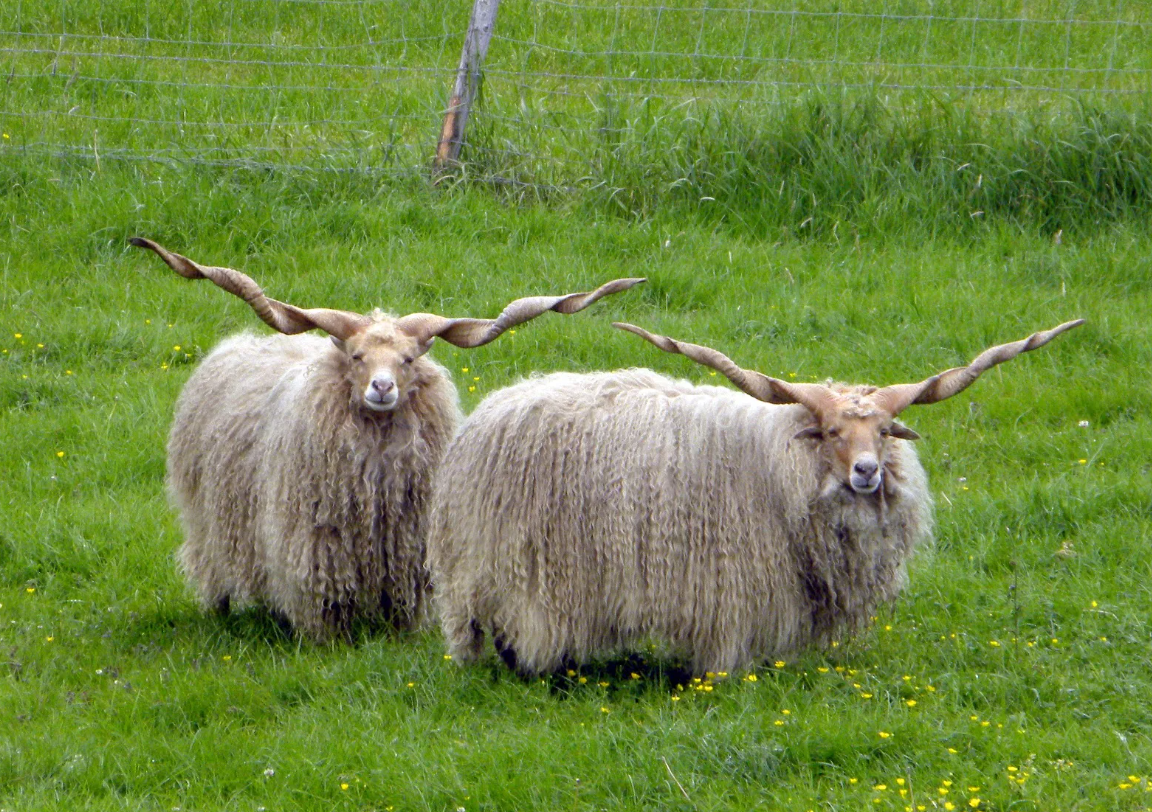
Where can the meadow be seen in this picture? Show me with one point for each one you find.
(1013, 672)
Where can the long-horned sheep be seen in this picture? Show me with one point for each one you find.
(577, 515)
(302, 467)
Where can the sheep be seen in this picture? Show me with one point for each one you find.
(580, 515)
(301, 467)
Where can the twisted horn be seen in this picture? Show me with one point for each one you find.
(770, 390)
(953, 381)
(285, 318)
(475, 332)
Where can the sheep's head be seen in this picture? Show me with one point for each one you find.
(382, 352)
(854, 424)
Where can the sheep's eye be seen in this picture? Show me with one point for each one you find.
(357, 356)
(831, 432)
(884, 432)
(407, 360)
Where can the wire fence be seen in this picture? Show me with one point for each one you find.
(362, 85)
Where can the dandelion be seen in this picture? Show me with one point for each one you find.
(583, 680)
(1125, 786)
(853, 780)
(471, 388)
(786, 712)
(49, 639)
(1011, 769)
(910, 703)
(942, 790)
(822, 669)
(880, 787)
(411, 685)
(675, 698)
(60, 454)
(511, 332)
(163, 366)
(930, 688)
(6, 136)
(463, 369)
(571, 673)
(1134, 779)
(946, 783)
(176, 348)
(948, 805)
(344, 787)
(887, 628)
(985, 723)
(907, 678)
(39, 346)
(602, 684)
(634, 675)
(883, 734)
(973, 789)
(17, 335)
(476, 378)
(30, 590)
(994, 643)
(865, 696)
(779, 664)
(1082, 462)
(779, 723)
(67, 372)
(604, 709)
(750, 678)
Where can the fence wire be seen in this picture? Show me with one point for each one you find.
(361, 85)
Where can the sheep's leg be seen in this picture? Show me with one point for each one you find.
(465, 638)
(506, 652)
(222, 604)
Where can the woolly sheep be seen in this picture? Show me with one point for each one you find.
(578, 515)
(301, 467)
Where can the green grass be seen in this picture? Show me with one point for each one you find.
(832, 224)
(823, 116)
(1029, 613)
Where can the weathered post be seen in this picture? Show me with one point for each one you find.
(480, 28)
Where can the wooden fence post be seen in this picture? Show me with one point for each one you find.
(480, 28)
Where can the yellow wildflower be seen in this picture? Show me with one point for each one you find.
(883, 734)
(910, 703)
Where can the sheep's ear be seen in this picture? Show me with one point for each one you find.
(902, 432)
(339, 342)
(810, 433)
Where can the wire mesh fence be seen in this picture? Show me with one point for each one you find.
(362, 84)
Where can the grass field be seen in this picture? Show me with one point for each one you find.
(860, 238)
(1016, 662)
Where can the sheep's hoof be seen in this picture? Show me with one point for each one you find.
(222, 605)
(506, 652)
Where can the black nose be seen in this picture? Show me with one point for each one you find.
(866, 468)
(383, 386)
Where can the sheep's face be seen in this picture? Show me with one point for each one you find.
(382, 364)
(855, 439)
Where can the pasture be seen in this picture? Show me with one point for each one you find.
(1011, 675)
